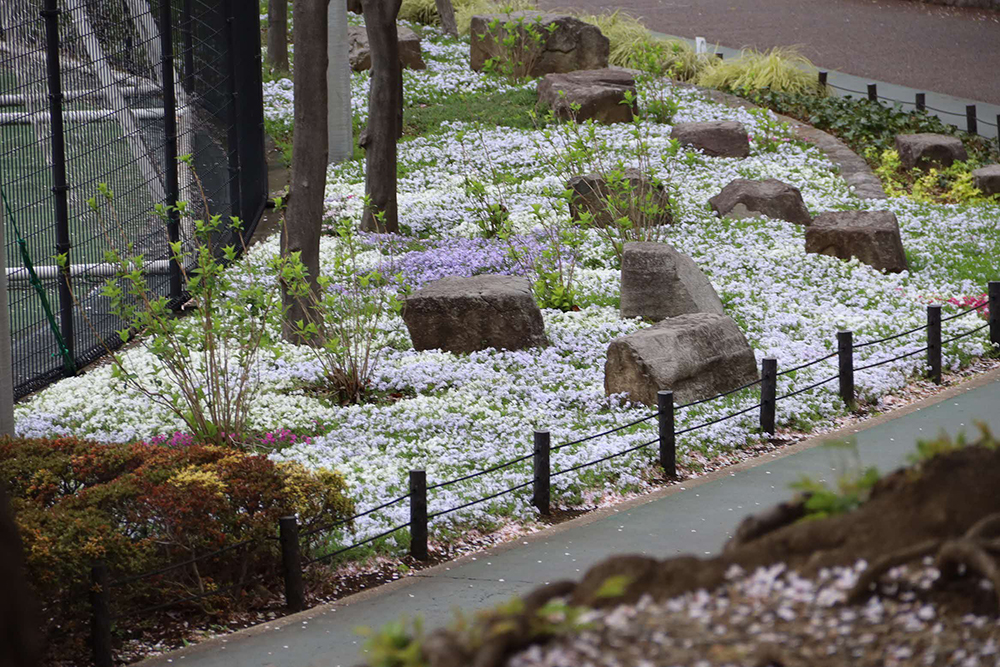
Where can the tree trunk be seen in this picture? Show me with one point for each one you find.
(309, 153)
(338, 76)
(277, 35)
(446, 12)
(385, 116)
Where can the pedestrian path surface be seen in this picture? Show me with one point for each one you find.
(949, 108)
(697, 519)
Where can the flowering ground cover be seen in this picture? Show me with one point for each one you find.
(453, 415)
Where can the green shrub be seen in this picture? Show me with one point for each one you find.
(466, 9)
(141, 507)
(863, 125)
(779, 69)
(626, 33)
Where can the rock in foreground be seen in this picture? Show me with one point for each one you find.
(631, 195)
(696, 356)
(464, 315)
(871, 236)
(718, 138)
(926, 150)
(659, 282)
(360, 53)
(772, 198)
(987, 179)
(596, 94)
(569, 46)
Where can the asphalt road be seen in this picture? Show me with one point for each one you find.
(922, 46)
(696, 517)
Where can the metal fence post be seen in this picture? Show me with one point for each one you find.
(187, 35)
(970, 119)
(668, 439)
(59, 185)
(921, 102)
(100, 615)
(768, 392)
(291, 563)
(233, 137)
(418, 514)
(540, 497)
(6, 367)
(872, 93)
(845, 355)
(170, 144)
(934, 342)
(994, 306)
(822, 78)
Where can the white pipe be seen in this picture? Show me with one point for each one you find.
(15, 100)
(90, 115)
(160, 267)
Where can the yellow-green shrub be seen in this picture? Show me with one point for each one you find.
(780, 69)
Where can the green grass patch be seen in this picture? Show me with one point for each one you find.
(512, 109)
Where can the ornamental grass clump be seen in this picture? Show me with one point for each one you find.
(780, 69)
(142, 507)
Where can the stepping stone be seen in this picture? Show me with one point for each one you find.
(570, 46)
(987, 179)
(927, 150)
(871, 236)
(643, 199)
(464, 315)
(600, 94)
(696, 356)
(719, 138)
(772, 198)
(360, 54)
(658, 282)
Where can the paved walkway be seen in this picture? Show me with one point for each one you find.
(942, 49)
(693, 518)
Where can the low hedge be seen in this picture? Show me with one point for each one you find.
(141, 507)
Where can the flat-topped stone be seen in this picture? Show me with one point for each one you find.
(743, 198)
(594, 94)
(464, 315)
(926, 149)
(635, 196)
(718, 138)
(871, 236)
(567, 44)
(360, 53)
(696, 356)
(659, 282)
(987, 179)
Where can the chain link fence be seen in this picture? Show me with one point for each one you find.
(111, 92)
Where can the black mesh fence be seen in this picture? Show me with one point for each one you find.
(110, 92)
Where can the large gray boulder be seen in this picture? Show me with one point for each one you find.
(987, 179)
(927, 150)
(360, 53)
(463, 315)
(658, 282)
(871, 236)
(636, 196)
(600, 95)
(570, 46)
(718, 138)
(696, 356)
(773, 198)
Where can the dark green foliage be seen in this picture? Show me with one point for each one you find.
(864, 125)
